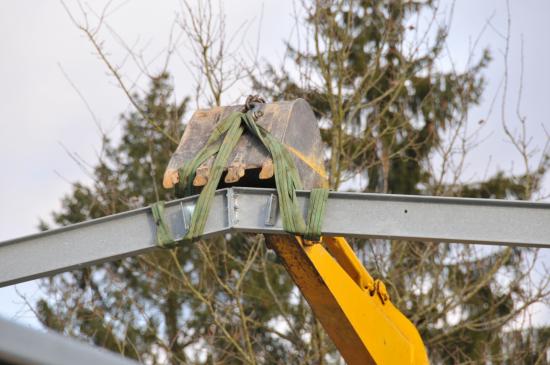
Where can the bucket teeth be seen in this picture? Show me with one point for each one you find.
(267, 170)
(234, 173)
(203, 172)
(171, 178)
(200, 180)
(235, 170)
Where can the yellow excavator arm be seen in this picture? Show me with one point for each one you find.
(354, 309)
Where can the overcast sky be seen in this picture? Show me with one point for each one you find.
(42, 116)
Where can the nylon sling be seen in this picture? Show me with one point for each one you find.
(287, 181)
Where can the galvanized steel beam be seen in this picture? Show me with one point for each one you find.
(25, 346)
(99, 240)
(423, 218)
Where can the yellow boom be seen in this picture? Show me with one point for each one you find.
(354, 309)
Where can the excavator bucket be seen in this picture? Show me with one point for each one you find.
(291, 122)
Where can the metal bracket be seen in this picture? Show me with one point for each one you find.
(271, 211)
(186, 214)
(232, 208)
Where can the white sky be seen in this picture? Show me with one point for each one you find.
(40, 110)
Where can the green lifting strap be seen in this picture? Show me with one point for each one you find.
(164, 237)
(287, 181)
(316, 213)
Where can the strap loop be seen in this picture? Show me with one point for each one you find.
(164, 237)
(316, 214)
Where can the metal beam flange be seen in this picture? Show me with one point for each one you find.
(21, 345)
(253, 210)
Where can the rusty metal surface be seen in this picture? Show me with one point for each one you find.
(291, 122)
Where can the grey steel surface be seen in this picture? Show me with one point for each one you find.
(99, 240)
(413, 217)
(24, 346)
(437, 219)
